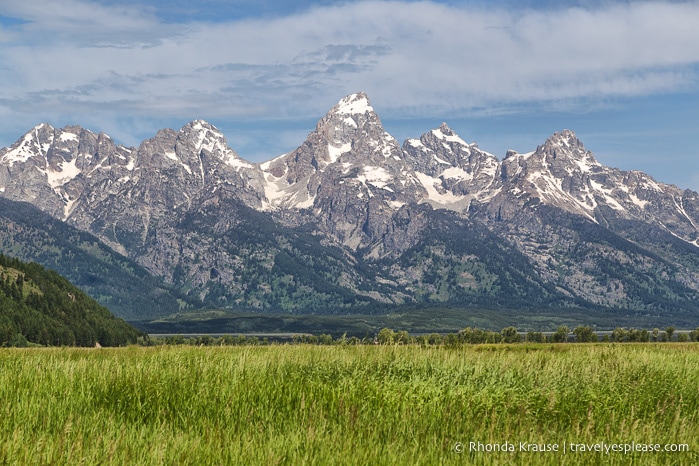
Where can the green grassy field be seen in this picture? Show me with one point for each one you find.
(374, 405)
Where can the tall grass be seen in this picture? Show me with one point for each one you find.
(345, 405)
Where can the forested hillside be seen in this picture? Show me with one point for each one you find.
(40, 306)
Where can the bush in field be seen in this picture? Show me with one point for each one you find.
(386, 336)
(561, 334)
(669, 331)
(645, 336)
(402, 337)
(477, 336)
(584, 334)
(638, 335)
(620, 335)
(469, 335)
(510, 335)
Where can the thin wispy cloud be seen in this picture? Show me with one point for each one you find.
(81, 61)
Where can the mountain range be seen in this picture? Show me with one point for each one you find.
(354, 221)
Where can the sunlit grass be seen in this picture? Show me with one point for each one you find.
(306, 404)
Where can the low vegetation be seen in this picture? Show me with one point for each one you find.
(370, 404)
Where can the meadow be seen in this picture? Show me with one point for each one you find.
(373, 404)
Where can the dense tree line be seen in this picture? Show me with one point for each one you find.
(467, 336)
(39, 306)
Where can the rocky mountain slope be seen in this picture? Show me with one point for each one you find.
(115, 281)
(354, 220)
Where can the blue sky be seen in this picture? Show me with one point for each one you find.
(624, 75)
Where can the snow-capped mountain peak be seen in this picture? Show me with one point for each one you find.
(445, 133)
(353, 104)
(200, 135)
(568, 147)
(453, 172)
(349, 145)
(36, 142)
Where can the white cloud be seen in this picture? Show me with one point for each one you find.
(82, 23)
(78, 58)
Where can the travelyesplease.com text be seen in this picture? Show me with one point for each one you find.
(569, 447)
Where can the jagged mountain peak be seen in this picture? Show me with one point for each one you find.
(353, 104)
(352, 117)
(564, 150)
(350, 134)
(565, 140)
(43, 135)
(49, 146)
(567, 136)
(200, 135)
(203, 135)
(444, 129)
(35, 142)
(453, 172)
(41, 127)
(446, 134)
(201, 126)
(349, 171)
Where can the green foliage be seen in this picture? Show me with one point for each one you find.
(535, 337)
(386, 336)
(584, 334)
(40, 306)
(561, 334)
(477, 336)
(398, 405)
(669, 331)
(510, 335)
(416, 320)
(645, 259)
(463, 262)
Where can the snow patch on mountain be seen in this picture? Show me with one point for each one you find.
(456, 173)
(67, 172)
(354, 104)
(68, 136)
(335, 151)
(436, 193)
(378, 177)
(279, 194)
